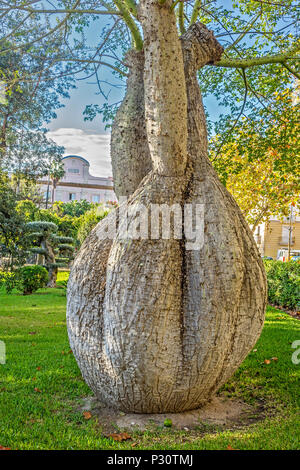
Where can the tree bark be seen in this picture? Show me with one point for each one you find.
(50, 263)
(131, 160)
(156, 327)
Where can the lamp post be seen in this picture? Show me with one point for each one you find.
(290, 232)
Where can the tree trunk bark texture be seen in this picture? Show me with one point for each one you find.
(156, 327)
(50, 261)
(129, 145)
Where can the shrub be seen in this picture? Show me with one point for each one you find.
(62, 279)
(89, 220)
(8, 280)
(31, 278)
(283, 283)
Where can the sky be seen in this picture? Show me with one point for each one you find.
(92, 145)
(87, 139)
(90, 139)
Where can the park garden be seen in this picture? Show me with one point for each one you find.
(138, 341)
(43, 394)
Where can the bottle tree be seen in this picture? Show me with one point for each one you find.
(154, 326)
(57, 250)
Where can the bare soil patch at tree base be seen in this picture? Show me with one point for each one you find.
(220, 412)
(292, 313)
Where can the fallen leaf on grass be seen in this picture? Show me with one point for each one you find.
(37, 390)
(168, 423)
(230, 448)
(87, 415)
(122, 436)
(274, 358)
(133, 444)
(4, 448)
(70, 352)
(267, 361)
(38, 368)
(32, 333)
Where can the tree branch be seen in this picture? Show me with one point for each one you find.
(252, 62)
(181, 18)
(59, 11)
(51, 31)
(243, 34)
(293, 72)
(237, 119)
(195, 12)
(137, 38)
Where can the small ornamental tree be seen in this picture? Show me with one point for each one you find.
(57, 250)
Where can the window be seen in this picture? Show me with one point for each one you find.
(287, 232)
(49, 195)
(95, 198)
(72, 196)
(73, 170)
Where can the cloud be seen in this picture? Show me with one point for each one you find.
(93, 147)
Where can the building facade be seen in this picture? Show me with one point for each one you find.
(273, 236)
(77, 184)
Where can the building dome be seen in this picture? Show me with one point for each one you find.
(77, 156)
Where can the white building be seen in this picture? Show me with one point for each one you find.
(78, 183)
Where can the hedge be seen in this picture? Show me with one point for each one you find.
(283, 283)
(27, 279)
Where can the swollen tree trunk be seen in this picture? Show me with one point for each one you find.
(129, 146)
(155, 326)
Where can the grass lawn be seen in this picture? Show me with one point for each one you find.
(41, 387)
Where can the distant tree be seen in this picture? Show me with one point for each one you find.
(27, 189)
(89, 220)
(28, 209)
(259, 162)
(55, 171)
(14, 241)
(67, 225)
(31, 155)
(73, 208)
(32, 93)
(57, 250)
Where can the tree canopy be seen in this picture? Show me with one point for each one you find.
(256, 35)
(51, 44)
(31, 94)
(259, 162)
